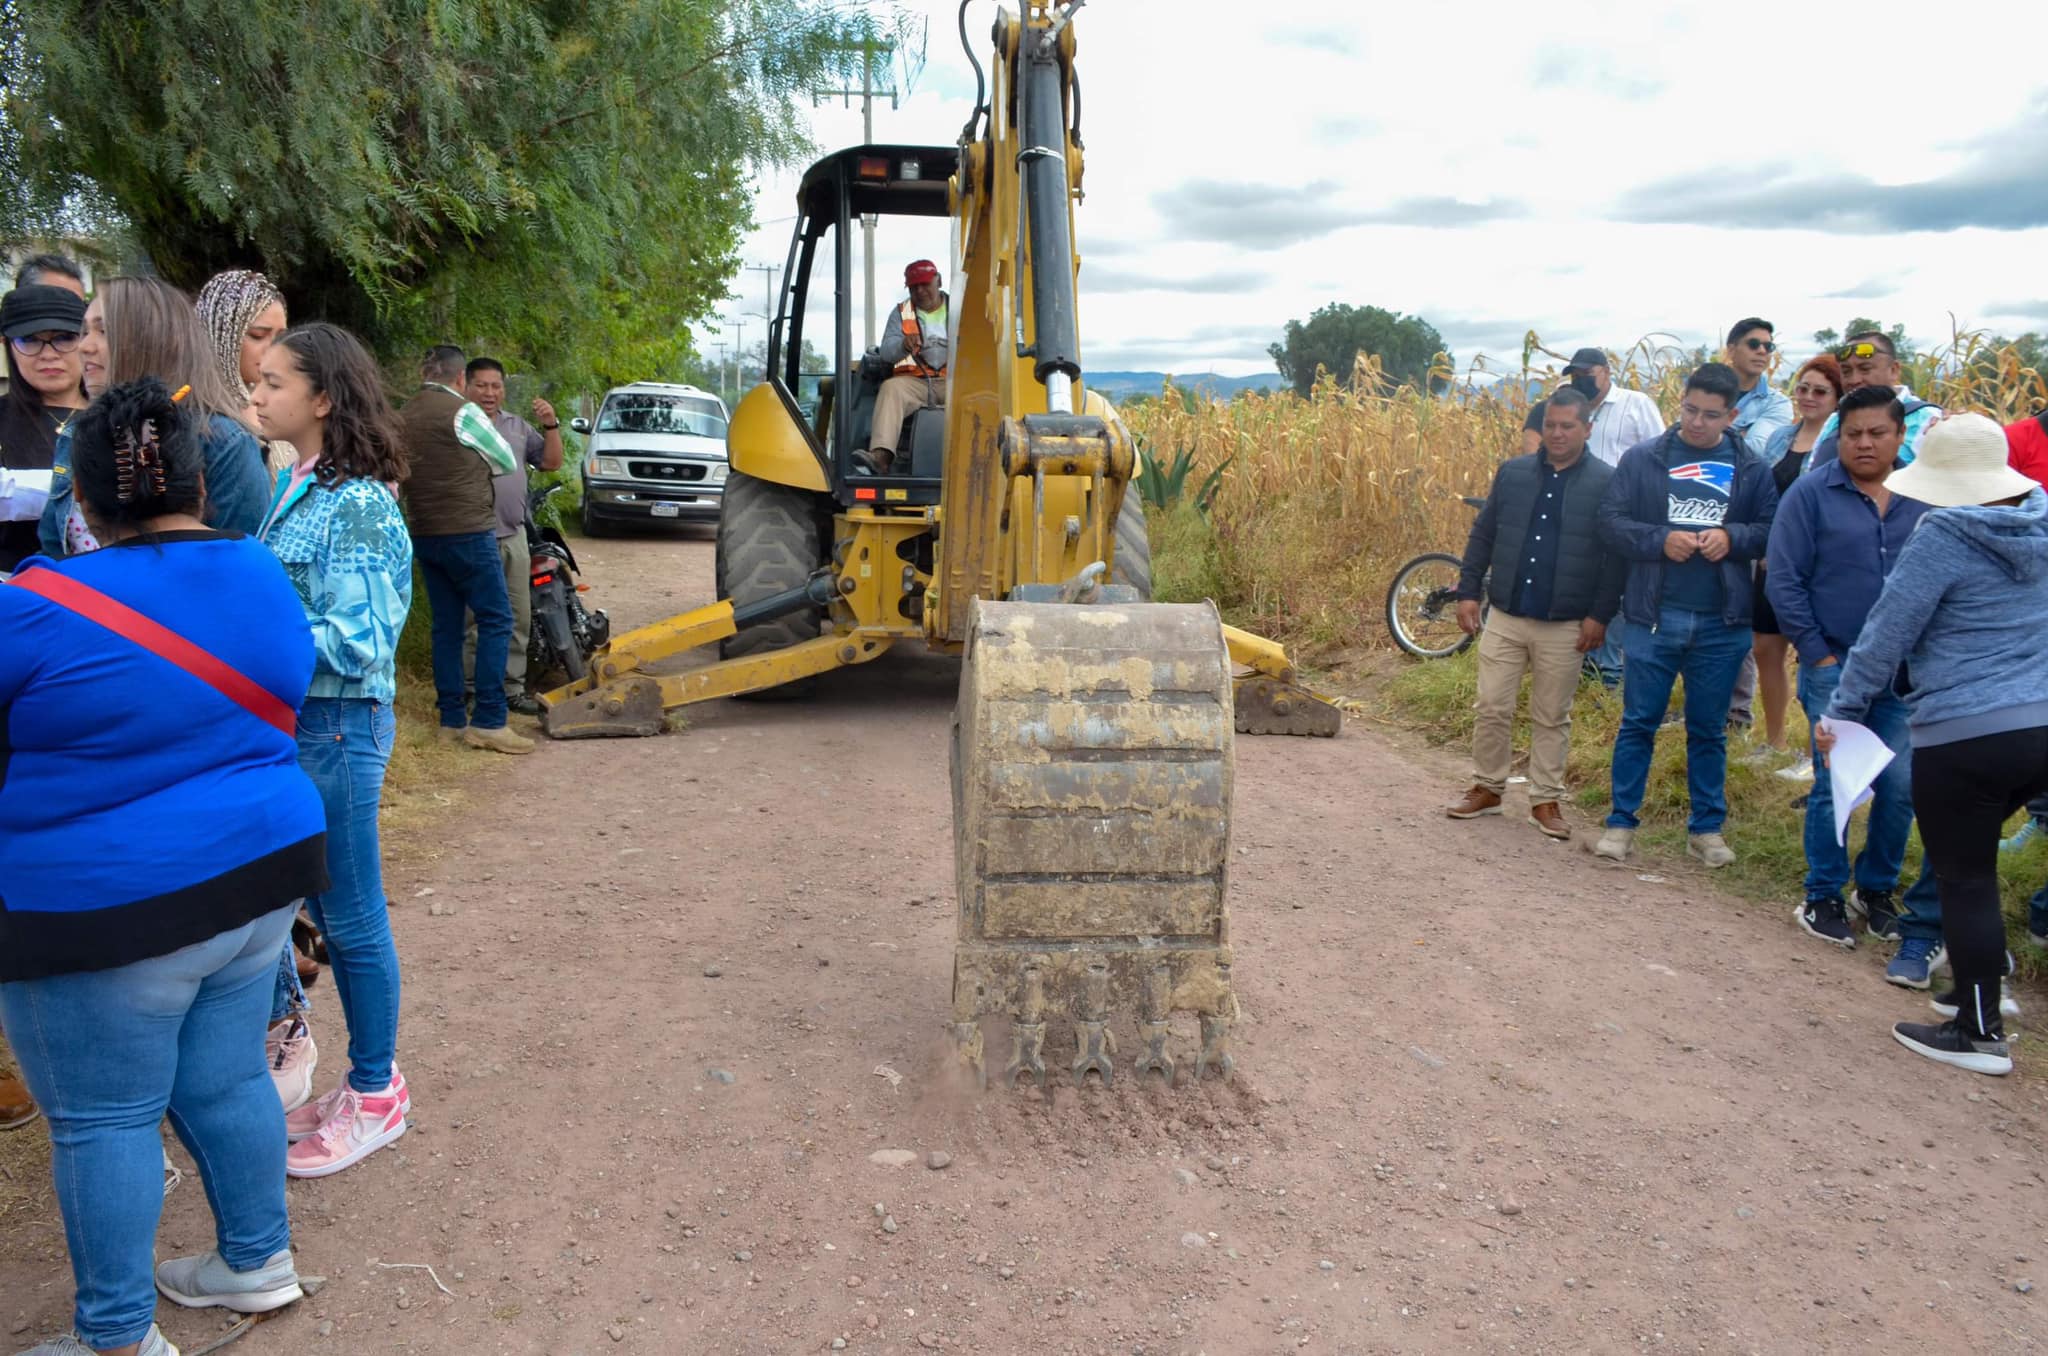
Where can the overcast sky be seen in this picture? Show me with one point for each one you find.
(1596, 172)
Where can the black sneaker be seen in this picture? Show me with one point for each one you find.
(1825, 919)
(1950, 1044)
(523, 704)
(1879, 911)
(1947, 1005)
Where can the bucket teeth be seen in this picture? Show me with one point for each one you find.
(1215, 1048)
(1154, 1059)
(1027, 1053)
(967, 1048)
(1094, 1043)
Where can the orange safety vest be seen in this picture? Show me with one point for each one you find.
(911, 364)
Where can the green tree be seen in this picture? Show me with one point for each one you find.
(565, 183)
(1332, 338)
(1827, 339)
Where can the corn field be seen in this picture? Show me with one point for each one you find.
(1322, 498)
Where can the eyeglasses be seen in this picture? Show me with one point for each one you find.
(1764, 344)
(1803, 389)
(1863, 350)
(29, 345)
(1697, 415)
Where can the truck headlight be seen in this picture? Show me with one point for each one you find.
(609, 466)
(719, 472)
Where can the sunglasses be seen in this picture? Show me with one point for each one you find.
(1754, 344)
(1803, 389)
(1865, 350)
(29, 345)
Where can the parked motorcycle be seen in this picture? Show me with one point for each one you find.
(564, 633)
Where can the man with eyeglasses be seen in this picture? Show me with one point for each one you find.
(1869, 358)
(1762, 409)
(1690, 510)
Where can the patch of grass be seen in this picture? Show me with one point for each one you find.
(1186, 567)
(1435, 698)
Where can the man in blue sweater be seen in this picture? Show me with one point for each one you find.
(1835, 538)
(1690, 510)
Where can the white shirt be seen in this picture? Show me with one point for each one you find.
(1622, 420)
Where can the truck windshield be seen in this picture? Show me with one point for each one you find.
(693, 415)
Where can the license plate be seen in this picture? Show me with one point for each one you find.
(666, 510)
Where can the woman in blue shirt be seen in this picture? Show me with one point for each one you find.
(337, 527)
(156, 834)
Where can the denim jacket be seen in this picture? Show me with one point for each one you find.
(234, 484)
(347, 554)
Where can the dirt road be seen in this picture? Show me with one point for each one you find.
(1490, 1097)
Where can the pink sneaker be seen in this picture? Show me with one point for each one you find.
(306, 1121)
(360, 1126)
(292, 1057)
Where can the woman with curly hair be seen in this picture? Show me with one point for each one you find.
(336, 525)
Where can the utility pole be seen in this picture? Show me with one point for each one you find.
(767, 272)
(870, 47)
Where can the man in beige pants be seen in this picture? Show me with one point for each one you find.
(1553, 587)
(917, 342)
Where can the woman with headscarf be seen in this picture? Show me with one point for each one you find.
(243, 311)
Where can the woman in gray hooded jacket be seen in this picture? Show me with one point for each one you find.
(1965, 611)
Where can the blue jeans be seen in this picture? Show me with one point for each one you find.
(465, 572)
(1891, 813)
(288, 995)
(344, 744)
(106, 1053)
(1607, 658)
(1707, 653)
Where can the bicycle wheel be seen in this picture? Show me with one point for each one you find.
(1422, 607)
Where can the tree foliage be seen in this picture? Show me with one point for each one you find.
(1828, 339)
(562, 182)
(1332, 338)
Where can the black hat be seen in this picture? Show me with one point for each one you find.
(34, 309)
(1584, 358)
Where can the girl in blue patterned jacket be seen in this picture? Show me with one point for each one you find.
(336, 526)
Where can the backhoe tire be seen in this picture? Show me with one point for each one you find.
(1133, 564)
(770, 538)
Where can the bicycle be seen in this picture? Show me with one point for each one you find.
(1422, 602)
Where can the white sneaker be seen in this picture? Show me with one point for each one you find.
(1710, 848)
(1801, 771)
(292, 1055)
(1614, 844)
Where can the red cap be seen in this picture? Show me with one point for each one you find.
(921, 271)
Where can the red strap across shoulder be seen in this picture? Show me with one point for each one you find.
(124, 621)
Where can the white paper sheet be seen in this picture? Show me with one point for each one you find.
(22, 495)
(1853, 764)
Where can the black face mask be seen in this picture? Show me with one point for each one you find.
(1584, 384)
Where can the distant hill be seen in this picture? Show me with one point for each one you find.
(1122, 385)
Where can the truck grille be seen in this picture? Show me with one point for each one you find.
(667, 470)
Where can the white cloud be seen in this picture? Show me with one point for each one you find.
(1480, 165)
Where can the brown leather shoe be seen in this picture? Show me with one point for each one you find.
(1474, 803)
(17, 1108)
(1546, 816)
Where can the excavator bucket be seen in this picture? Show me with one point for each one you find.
(1092, 765)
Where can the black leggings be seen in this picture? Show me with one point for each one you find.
(1962, 794)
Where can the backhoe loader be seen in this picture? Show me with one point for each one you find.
(1091, 741)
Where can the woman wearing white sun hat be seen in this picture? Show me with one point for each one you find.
(1965, 610)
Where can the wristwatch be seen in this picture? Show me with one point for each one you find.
(550, 428)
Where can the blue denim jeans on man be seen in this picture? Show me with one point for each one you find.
(344, 746)
(1891, 813)
(1707, 653)
(106, 1053)
(465, 572)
